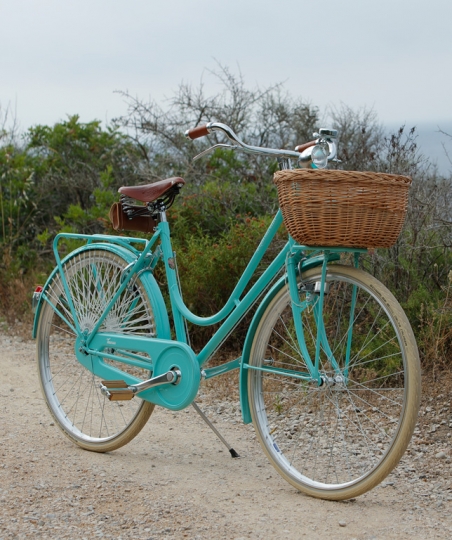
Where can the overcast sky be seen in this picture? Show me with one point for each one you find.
(61, 57)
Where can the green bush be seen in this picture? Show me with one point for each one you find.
(18, 196)
(65, 177)
(210, 268)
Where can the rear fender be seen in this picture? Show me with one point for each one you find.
(146, 277)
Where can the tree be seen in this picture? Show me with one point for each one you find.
(226, 185)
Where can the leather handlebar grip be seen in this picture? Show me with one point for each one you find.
(302, 147)
(197, 132)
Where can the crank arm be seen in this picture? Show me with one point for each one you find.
(120, 391)
(170, 377)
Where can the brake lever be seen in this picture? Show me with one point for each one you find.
(208, 150)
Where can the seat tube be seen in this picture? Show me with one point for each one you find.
(173, 286)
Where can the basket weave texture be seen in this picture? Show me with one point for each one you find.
(342, 208)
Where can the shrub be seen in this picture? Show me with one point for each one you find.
(210, 268)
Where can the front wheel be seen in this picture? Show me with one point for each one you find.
(338, 435)
(71, 392)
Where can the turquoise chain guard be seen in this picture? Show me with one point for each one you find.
(164, 355)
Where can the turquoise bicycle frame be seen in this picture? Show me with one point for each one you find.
(164, 352)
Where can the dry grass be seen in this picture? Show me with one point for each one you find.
(435, 332)
(15, 299)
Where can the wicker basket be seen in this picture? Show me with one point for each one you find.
(342, 208)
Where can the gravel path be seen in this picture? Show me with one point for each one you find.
(176, 480)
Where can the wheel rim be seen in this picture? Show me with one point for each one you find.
(72, 392)
(335, 436)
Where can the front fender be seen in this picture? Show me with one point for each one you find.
(147, 279)
(243, 376)
(282, 282)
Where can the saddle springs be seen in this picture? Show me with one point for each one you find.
(125, 215)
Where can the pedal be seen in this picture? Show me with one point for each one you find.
(120, 395)
(121, 391)
(116, 390)
(114, 384)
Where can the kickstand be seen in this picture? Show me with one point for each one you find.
(214, 429)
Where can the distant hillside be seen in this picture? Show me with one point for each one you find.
(430, 142)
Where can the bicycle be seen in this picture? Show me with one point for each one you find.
(329, 371)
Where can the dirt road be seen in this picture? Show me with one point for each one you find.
(176, 480)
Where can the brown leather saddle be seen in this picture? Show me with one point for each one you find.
(127, 217)
(151, 192)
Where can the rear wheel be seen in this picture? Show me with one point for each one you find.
(72, 393)
(339, 439)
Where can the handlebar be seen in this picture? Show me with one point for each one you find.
(303, 153)
(302, 147)
(197, 132)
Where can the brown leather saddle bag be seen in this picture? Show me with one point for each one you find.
(122, 222)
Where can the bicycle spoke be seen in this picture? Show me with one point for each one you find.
(332, 436)
(93, 279)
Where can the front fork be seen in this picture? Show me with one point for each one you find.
(312, 305)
